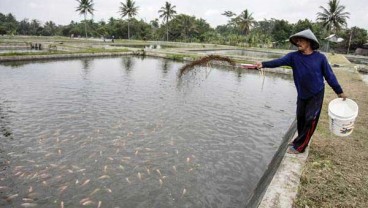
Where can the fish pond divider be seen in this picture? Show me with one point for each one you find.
(268, 175)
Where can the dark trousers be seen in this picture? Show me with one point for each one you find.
(307, 113)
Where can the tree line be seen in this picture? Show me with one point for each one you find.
(241, 29)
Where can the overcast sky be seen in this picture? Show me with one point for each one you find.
(63, 11)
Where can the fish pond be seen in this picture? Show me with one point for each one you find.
(126, 132)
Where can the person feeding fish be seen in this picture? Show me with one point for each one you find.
(310, 68)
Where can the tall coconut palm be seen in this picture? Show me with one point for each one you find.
(245, 21)
(167, 12)
(85, 6)
(128, 9)
(333, 17)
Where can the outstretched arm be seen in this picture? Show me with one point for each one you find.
(283, 61)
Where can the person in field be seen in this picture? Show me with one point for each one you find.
(310, 70)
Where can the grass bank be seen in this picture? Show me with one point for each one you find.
(336, 172)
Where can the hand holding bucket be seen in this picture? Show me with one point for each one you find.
(342, 112)
(343, 96)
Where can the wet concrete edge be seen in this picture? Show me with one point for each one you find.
(261, 192)
(283, 188)
(60, 56)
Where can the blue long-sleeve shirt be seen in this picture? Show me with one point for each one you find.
(308, 72)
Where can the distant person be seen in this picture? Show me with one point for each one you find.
(310, 68)
(112, 38)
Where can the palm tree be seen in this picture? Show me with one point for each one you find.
(334, 17)
(245, 21)
(128, 9)
(85, 6)
(168, 12)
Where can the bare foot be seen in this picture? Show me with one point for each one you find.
(292, 150)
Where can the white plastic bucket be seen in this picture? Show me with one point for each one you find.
(342, 116)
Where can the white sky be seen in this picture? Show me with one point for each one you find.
(63, 11)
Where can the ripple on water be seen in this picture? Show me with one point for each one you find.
(113, 131)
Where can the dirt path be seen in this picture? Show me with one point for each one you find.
(336, 172)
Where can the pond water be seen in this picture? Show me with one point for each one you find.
(248, 53)
(125, 132)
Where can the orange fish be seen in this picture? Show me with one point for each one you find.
(85, 182)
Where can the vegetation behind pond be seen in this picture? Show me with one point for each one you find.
(241, 29)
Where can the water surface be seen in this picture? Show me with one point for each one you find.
(125, 132)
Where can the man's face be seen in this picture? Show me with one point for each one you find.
(302, 44)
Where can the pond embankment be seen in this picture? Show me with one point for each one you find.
(59, 56)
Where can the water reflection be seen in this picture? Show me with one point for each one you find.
(14, 64)
(165, 66)
(239, 72)
(127, 63)
(114, 139)
(5, 124)
(86, 65)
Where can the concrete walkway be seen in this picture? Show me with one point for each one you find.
(284, 186)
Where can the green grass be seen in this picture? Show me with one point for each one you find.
(177, 57)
